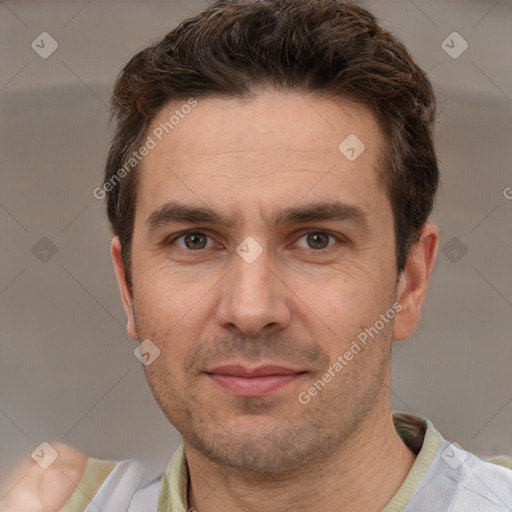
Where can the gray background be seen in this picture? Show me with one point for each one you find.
(67, 369)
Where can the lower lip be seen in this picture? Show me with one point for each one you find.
(253, 386)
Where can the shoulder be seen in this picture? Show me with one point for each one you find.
(461, 481)
(501, 460)
(486, 484)
(34, 488)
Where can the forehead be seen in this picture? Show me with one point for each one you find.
(250, 156)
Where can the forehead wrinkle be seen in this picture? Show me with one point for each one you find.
(251, 174)
(258, 151)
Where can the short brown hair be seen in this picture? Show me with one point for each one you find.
(326, 47)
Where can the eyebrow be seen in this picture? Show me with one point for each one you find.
(175, 212)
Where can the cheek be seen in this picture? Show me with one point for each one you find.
(342, 308)
(347, 295)
(165, 294)
(168, 311)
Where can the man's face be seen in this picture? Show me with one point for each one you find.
(223, 314)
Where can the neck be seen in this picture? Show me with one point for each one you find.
(361, 475)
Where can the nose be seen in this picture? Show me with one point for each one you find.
(254, 298)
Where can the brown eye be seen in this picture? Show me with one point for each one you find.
(192, 241)
(196, 240)
(317, 240)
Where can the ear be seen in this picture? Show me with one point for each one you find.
(124, 287)
(414, 281)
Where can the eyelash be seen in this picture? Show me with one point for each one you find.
(183, 234)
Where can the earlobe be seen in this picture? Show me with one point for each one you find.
(124, 287)
(414, 280)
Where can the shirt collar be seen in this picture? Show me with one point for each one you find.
(417, 433)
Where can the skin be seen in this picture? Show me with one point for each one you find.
(300, 304)
(34, 489)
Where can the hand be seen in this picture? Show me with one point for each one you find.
(34, 489)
